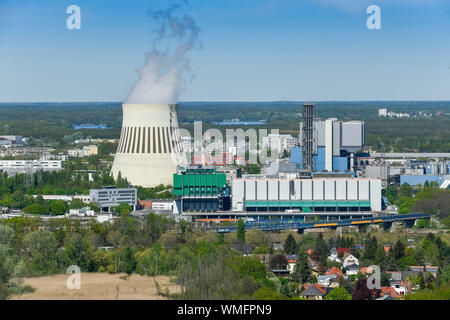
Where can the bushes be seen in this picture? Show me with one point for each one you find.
(216, 275)
(35, 208)
(339, 293)
(267, 294)
(42, 248)
(249, 266)
(442, 293)
(7, 237)
(80, 253)
(127, 261)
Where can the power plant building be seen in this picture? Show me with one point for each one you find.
(201, 189)
(333, 141)
(306, 195)
(150, 148)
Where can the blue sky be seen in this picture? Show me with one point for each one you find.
(253, 50)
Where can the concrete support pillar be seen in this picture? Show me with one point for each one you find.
(394, 227)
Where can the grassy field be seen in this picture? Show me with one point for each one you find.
(98, 286)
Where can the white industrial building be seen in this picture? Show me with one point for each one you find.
(29, 166)
(279, 142)
(382, 112)
(68, 198)
(306, 195)
(163, 205)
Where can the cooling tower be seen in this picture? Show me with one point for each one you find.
(150, 146)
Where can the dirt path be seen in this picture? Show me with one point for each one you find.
(97, 286)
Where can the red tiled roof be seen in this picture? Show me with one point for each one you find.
(422, 267)
(320, 288)
(334, 271)
(339, 250)
(390, 291)
(366, 269)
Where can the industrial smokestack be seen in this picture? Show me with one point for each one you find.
(308, 136)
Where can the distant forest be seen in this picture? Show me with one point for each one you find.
(48, 123)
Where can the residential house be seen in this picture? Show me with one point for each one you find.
(394, 277)
(352, 269)
(398, 282)
(335, 271)
(409, 275)
(314, 292)
(388, 291)
(292, 261)
(349, 259)
(312, 262)
(402, 288)
(334, 256)
(343, 250)
(334, 283)
(425, 269)
(291, 257)
(367, 270)
(325, 280)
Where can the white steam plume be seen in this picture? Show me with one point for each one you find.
(165, 74)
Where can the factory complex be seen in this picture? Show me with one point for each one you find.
(317, 179)
(326, 174)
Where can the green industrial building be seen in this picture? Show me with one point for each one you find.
(201, 189)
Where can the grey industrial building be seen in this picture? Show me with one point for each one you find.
(333, 144)
(347, 135)
(110, 196)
